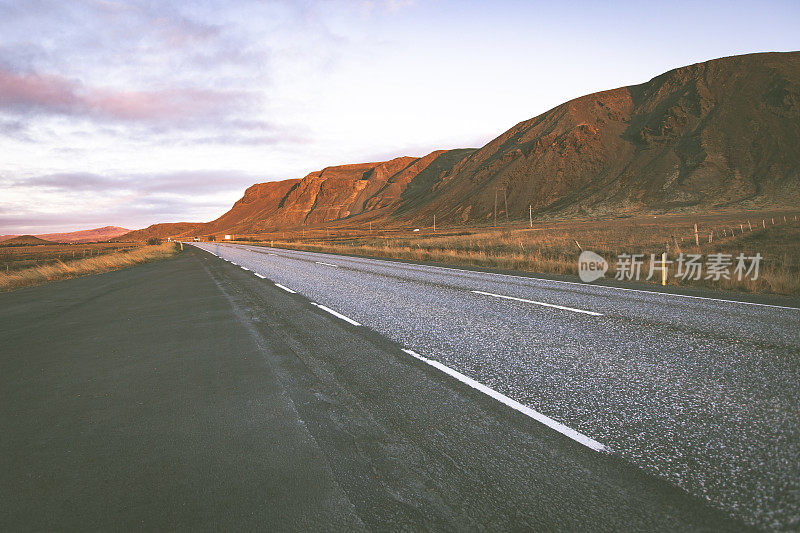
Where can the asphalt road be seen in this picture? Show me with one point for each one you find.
(192, 394)
(703, 393)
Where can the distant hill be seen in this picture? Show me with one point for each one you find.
(24, 240)
(88, 235)
(718, 135)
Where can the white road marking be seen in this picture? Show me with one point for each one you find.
(245, 268)
(287, 289)
(337, 315)
(326, 264)
(545, 304)
(580, 284)
(259, 275)
(502, 398)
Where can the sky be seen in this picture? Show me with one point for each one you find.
(133, 112)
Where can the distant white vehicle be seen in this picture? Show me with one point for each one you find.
(227, 237)
(197, 239)
(416, 229)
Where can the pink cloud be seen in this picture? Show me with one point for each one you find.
(60, 95)
(34, 90)
(168, 104)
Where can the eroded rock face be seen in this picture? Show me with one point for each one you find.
(723, 133)
(330, 194)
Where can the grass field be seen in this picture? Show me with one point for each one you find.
(22, 257)
(554, 246)
(99, 258)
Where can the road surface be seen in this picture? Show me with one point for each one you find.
(700, 391)
(193, 394)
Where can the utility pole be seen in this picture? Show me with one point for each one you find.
(505, 197)
(530, 214)
(434, 223)
(495, 208)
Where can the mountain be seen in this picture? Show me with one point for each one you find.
(166, 229)
(87, 235)
(718, 135)
(364, 190)
(339, 192)
(24, 240)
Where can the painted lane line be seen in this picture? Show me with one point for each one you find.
(326, 264)
(337, 315)
(582, 284)
(545, 281)
(544, 304)
(259, 275)
(524, 409)
(287, 289)
(245, 268)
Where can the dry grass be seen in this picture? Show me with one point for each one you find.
(23, 257)
(553, 247)
(105, 262)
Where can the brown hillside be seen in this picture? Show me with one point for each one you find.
(719, 135)
(260, 202)
(167, 229)
(373, 189)
(713, 135)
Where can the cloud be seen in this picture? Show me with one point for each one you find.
(15, 128)
(186, 183)
(388, 5)
(75, 181)
(73, 201)
(53, 94)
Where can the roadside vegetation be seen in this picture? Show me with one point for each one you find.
(58, 263)
(27, 256)
(553, 247)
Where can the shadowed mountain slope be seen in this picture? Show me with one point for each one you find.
(724, 133)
